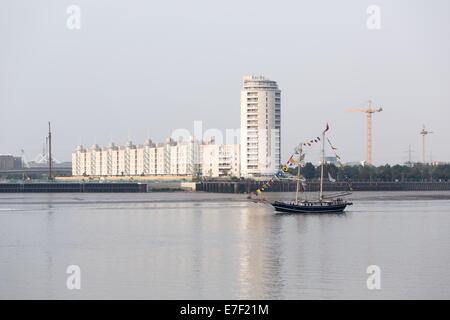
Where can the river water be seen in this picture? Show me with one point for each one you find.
(221, 246)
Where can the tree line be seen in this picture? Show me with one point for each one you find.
(386, 173)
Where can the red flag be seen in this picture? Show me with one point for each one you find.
(326, 129)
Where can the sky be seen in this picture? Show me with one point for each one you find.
(139, 69)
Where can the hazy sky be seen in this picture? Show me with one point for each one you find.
(149, 67)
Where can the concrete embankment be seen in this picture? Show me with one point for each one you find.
(97, 187)
(72, 187)
(218, 186)
(290, 186)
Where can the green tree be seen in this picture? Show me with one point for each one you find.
(308, 171)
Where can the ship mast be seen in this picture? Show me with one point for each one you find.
(298, 173)
(321, 166)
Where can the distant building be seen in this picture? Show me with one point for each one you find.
(169, 158)
(409, 164)
(220, 160)
(355, 163)
(330, 160)
(439, 163)
(259, 153)
(260, 126)
(8, 162)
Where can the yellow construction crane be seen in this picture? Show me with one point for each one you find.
(368, 112)
(424, 133)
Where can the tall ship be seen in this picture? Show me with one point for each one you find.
(333, 203)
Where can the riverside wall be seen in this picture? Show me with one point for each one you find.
(244, 186)
(290, 186)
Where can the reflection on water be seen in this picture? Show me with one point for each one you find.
(259, 256)
(219, 246)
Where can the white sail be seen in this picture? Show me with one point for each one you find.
(331, 178)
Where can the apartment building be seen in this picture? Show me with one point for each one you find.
(221, 160)
(260, 126)
(168, 158)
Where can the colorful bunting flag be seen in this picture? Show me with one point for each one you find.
(290, 163)
(332, 147)
(346, 178)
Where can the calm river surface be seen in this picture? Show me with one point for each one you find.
(221, 246)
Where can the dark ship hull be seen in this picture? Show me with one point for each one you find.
(310, 207)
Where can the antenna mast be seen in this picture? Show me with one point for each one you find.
(50, 175)
(409, 154)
